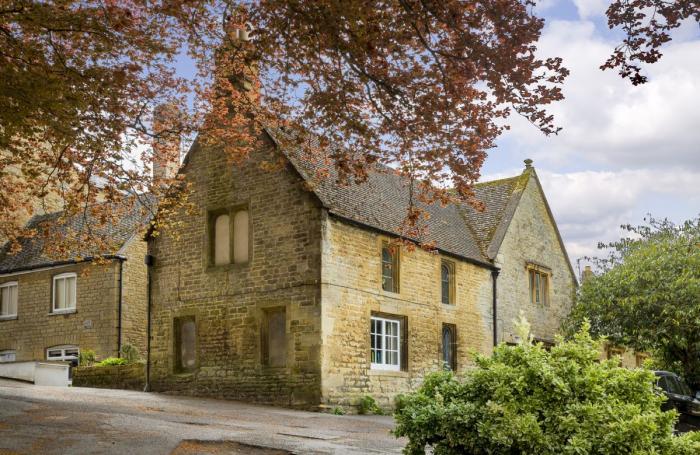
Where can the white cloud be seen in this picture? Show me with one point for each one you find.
(590, 206)
(590, 8)
(607, 121)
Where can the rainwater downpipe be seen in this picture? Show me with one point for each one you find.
(494, 277)
(119, 308)
(148, 260)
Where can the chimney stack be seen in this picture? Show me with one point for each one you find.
(587, 274)
(166, 147)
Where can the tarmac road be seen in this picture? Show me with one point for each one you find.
(75, 420)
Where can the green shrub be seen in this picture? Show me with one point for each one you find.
(339, 411)
(130, 353)
(367, 405)
(112, 361)
(86, 357)
(524, 399)
(399, 402)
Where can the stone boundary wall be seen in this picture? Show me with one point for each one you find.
(128, 377)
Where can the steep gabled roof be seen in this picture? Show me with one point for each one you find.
(382, 202)
(33, 254)
(500, 199)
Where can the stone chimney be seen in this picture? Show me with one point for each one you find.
(166, 147)
(528, 163)
(587, 274)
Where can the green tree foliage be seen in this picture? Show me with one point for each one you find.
(527, 400)
(648, 295)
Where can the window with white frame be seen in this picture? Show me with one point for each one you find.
(8, 300)
(66, 352)
(385, 337)
(7, 356)
(64, 294)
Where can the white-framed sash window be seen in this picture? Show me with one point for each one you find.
(385, 350)
(64, 293)
(8, 300)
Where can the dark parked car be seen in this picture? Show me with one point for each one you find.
(680, 398)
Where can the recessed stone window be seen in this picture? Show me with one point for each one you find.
(274, 337)
(185, 344)
(449, 346)
(447, 282)
(538, 278)
(390, 267)
(229, 236)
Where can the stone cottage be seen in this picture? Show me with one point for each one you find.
(289, 289)
(52, 308)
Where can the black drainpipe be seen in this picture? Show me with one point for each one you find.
(494, 276)
(119, 321)
(148, 260)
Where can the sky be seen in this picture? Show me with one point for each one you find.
(624, 151)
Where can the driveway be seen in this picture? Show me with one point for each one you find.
(48, 420)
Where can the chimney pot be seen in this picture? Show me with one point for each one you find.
(528, 163)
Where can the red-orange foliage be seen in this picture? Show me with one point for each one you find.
(423, 86)
(647, 25)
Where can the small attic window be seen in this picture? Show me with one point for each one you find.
(539, 283)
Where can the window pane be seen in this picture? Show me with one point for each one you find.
(537, 287)
(222, 244)
(277, 338)
(188, 340)
(60, 293)
(4, 301)
(70, 292)
(387, 269)
(240, 237)
(13, 299)
(445, 282)
(544, 280)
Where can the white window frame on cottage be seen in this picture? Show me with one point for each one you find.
(64, 352)
(8, 300)
(8, 355)
(381, 357)
(64, 277)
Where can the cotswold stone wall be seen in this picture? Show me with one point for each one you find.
(93, 325)
(531, 237)
(128, 377)
(351, 290)
(135, 294)
(229, 302)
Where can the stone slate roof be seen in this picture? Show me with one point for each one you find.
(119, 233)
(382, 201)
(500, 199)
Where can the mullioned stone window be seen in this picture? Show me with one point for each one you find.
(229, 236)
(388, 342)
(538, 277)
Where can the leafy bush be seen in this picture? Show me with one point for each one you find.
(112, 361)
(367, 405)
(339, 411)
(399, 402)
(130, 353)
(524, 399)
(86, 357)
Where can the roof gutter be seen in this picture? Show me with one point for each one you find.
(344, 219)
(53, 265)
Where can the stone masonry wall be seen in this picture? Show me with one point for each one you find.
(351, 291)
(93, 325)
(135, 295)
(229, 302)
(531, 237)
(127, 377)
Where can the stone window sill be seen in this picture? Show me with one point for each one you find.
(391, 373)
(56, 313)
(8, 318)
